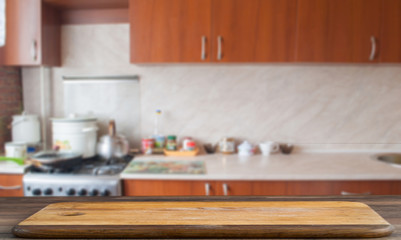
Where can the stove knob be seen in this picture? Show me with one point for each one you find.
(36, 192)
(48, 191)
(94, 192)
(82, 192)
(105, 193)
(71, 192)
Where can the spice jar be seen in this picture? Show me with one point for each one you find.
(227, 145)
(147, 145)
(190, 146)
(171, 143)
(185, 142)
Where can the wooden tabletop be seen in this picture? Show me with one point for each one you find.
(14, 210)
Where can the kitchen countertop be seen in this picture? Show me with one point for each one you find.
(296, 166)
(14, 210)
(9, 167)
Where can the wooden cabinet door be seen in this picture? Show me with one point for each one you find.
(23, 21)
(168, 188)
(253, 30)
(32, 34)
(296, 188)
(305, 188)
(376, 187)
(338, 30)
(11, 185)
(170, 30)
(390, 41)
(234, 188)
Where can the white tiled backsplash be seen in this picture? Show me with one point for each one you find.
(317, 106)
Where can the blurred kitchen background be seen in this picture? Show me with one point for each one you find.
(313, 105)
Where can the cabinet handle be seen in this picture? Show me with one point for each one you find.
(207, 189)
(345, 193)
(34, 50)
(203, 51)
(225, 189)
(219, 48)
(10, 187)
(373, 48)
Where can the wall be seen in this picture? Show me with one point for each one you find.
(10, 100)
(313, 106)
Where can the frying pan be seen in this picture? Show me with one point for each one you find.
(47, 160)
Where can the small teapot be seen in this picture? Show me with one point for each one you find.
(246, 149)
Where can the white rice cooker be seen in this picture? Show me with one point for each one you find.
(75, 134)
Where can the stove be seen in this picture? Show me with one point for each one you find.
(93, 177)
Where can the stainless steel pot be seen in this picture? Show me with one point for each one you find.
(112, 145)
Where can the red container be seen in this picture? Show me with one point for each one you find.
(147, 145)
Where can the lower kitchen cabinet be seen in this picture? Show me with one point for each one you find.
(167, 188)
(267, 188)
(11, 185)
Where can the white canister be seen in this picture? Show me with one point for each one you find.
(25, 128)
(78, 135)
(16, 149)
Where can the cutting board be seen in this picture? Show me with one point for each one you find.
(308, 219)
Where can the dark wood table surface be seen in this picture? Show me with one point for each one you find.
(15, 209)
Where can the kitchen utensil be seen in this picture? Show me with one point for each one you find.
(308, 219)
(16, 149)
(25, 128)
(47, 160)
(246, 149)
(113, 145)
(269, 147)
(75, 134)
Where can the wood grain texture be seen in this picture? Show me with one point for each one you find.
(391, 32)
(254, 30)
(305, 188)
(204, 219)
(88, 4)
(32, 25)
(50, 36)
(166, 188)
(95, 16)
(10, 180)
(259, 188)
(337, 30)
(169, 30)
(23, 27)
(15, 209)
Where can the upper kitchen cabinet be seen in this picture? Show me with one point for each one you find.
(170, 30)
(32, 34)
(212, 30)
(391, 31)
(338, 31)
(253, 30)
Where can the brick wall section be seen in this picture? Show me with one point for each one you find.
(10, 100)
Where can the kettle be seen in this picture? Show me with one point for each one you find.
(112, 145)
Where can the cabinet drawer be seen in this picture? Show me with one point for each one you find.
(11, 185)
